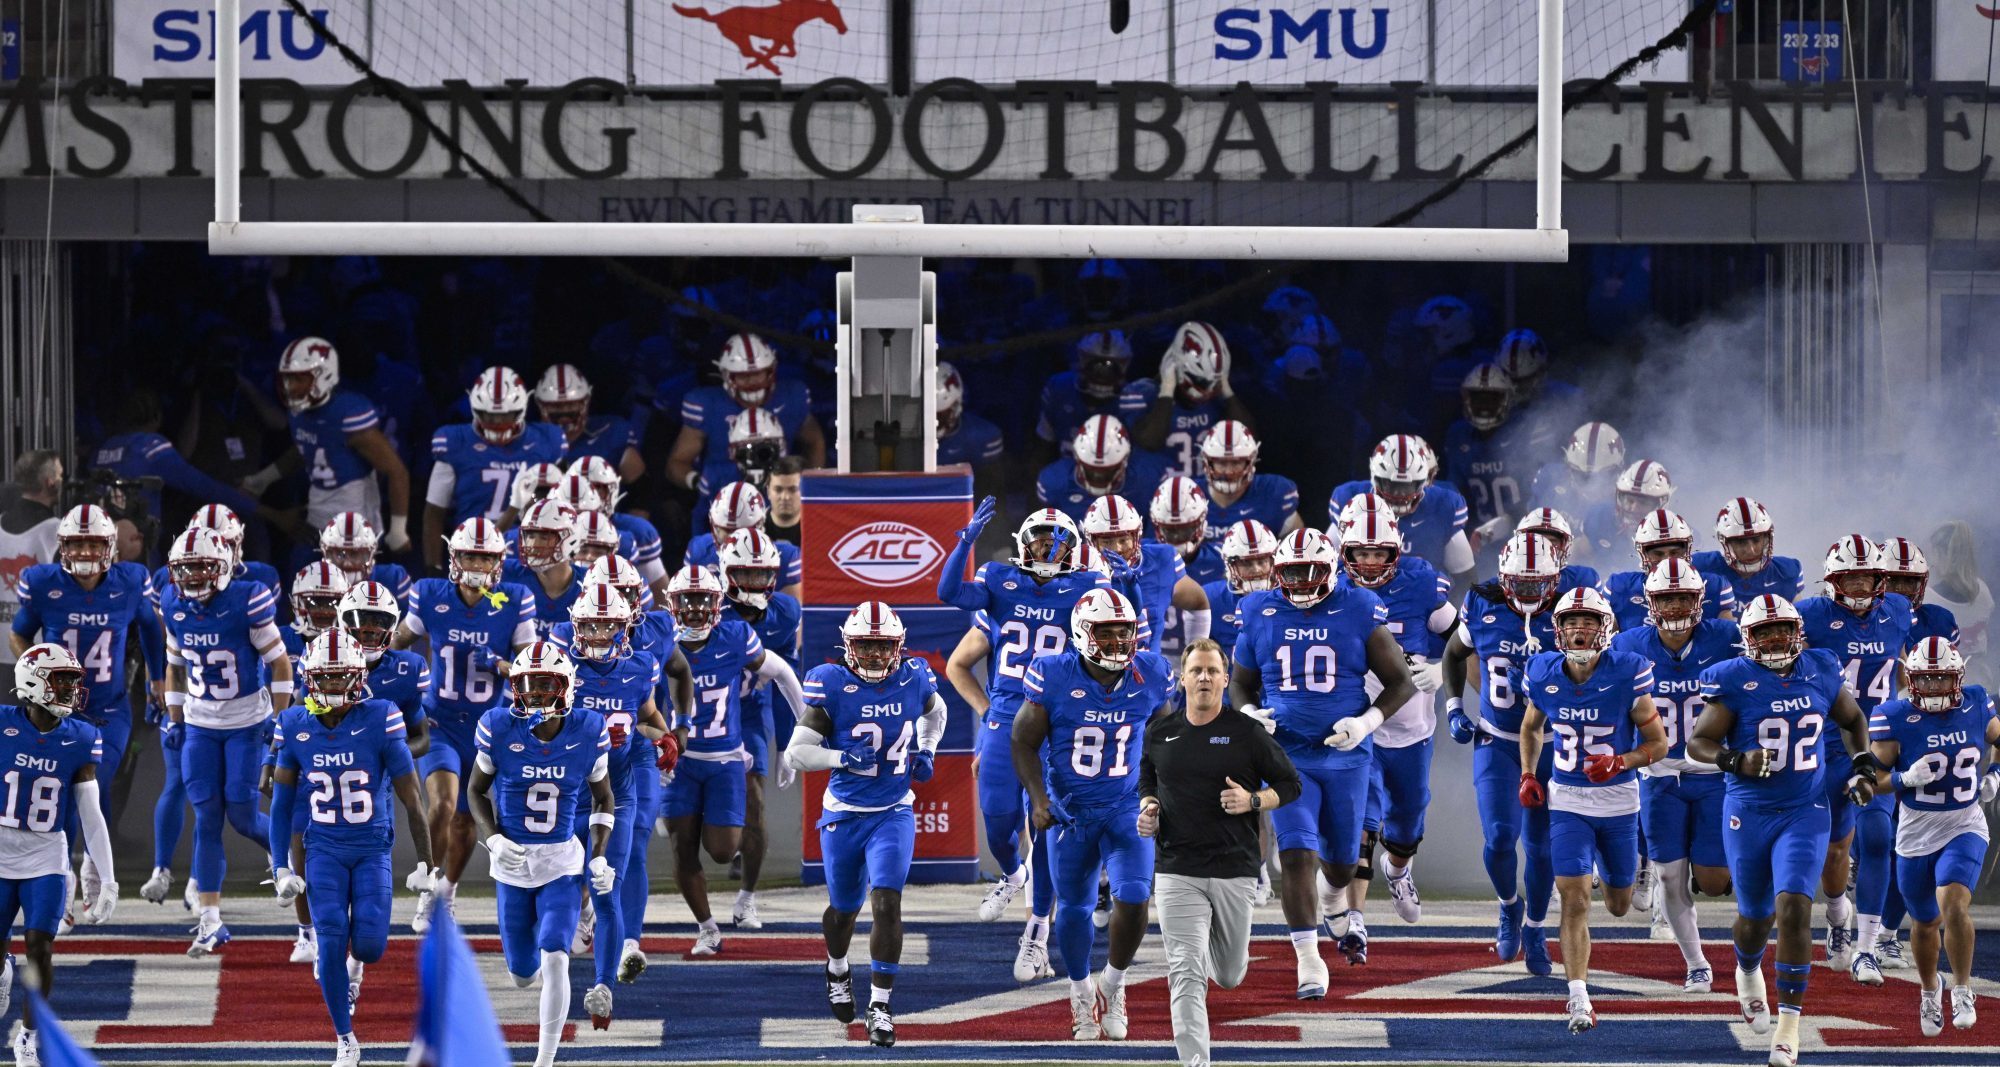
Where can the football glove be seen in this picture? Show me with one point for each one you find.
(1603, 767)
(602, 877)
(287, 884)
(1532, 793)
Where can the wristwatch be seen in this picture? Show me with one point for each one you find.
(1257, 801)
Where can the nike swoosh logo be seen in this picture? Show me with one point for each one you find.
(356, 732)
(566, 748)
(1176, 737)
(66, 744)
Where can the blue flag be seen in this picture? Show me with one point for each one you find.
(455, 1022)
(58, 1048)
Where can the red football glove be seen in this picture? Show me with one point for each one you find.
(1532, 793)
(670, 753)
(618, 734)
(1603, 767)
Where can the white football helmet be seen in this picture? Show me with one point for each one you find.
(598, 617)
(531, 483)
(756, 441)
(1104, 629)
(369, 613)
(547, 534)
(1642, 487)
(335, 671)
(1375, 530)
(1248, 550)
(1303, 567)
(1486, 396)
(592, 537)
(749, 367)
(199, 563)
(563, 395)
(1101, 448)
(499, 401)
(950, 399)
(694, 597)
(621, 574)
(226, 525)
(1179, 511)
(1552, 525)
(1044, 542)
(603, 479)
(1904, 569)
(86, 541)
(871, 639)
(543, 680)
(1200, 361)
(1525, 359)
(48, 677)
(316, 593)
(1745, 531)
(1088, 558)
(348, 542)
(1674, 592)
(737, 506)
(1229, 457)
(1858, 557)
(1593, 448)
(476, 551)
(749, 564)
(1102, 359)
(1401, 468)
(1584, 623)
(308, 371)
(1773, 633)
(1113, 525)
(1530, 572)
(1935, 673)
(1661, 534)
(577, 494)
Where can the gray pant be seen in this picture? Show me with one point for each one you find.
(1206, 925)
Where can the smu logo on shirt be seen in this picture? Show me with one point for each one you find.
(80, 619)
(886, 554)
(1112, 717)
(1868, 648)
(1023, 611)
(1589, 714)
(1296, 633)
(597, 703)
(204, 640)
(1942, 740)
(1792, 704)
(872, 710)
(465, 637)
(333, 759)
(532, 771)
(22, 759)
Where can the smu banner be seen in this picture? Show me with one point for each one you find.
(885, 537)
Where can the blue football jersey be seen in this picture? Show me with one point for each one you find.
(1091, 759)
(1412, 597)
(214, 638)
(1064, 409)
(1558, 486)
(604, 436)
(975, 442)
(321, 436)
(1626, 590)
(1677, 677)
(1159, 570)
(1057, 486)
(396, 578)
(1186, 426)
(1787, 715)
(1590, 717)
(1952, 742)
(144, 455)
(1499, 640)
(346, 773)
(36, 769)
(92, 624)
(885, 715)
(1272, 499)
(1489, 469)
(251, 570)
(1932, 620)
(540, 787)
(1781, 576)
(482, 472)
(402, 678)
(617, 688)
(708, 408)
(718, 667)
(1869, 647)
(1023, 619)
(702, 552)
(638, 535)
(549, 609)
(498, 621)
(1224, 620)
(1439, 516)
(1313, 663)
(1205, 564)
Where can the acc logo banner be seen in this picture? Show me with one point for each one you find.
(880, 536)
(886, 554)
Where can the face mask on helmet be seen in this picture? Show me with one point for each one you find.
(476, 570)
(1632, 507)
(1125, 543)
(1249, 574)
(356, 563)
(499, 427)
(539, 695)
(1857, 591)
(1402, 497)
(1936, 691)
(1045, 550)
(1100, 377)
(571, 415)
(321, 611)
(1112, 644)
(1775, 644)
(66, 692)
(296, 388)
(695, 611)
(1581, 635)
(595, 638)
(370, 629)
(752, 584)
(1655, 551)
(331, 689)
(1747, 554)
(196, 579)
(873, 658)
(1485, 409)
(542, 547)
(751, 388)
(1305, 583)
(84, 557)
(1369, 567)
(754, 459)
(1673, 613)
(1100, 481)
(1229, 475)
(1527, 593)
(1910, 586)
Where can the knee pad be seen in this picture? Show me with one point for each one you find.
(1404, 851)
(368, 950)
(1135, 891)
(523, 983)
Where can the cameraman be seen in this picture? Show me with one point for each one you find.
(27, 532)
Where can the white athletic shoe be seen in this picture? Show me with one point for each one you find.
(157, 886)
(1110, 1013)
(346, 1052)
(421, 921)
(27, 1053)
(1581, 1015)
(356, 970)
(707, 942)
(1100, 916)
(1659, 929)
(994, 904)
(1260, 894)
(586, 928)
(1963, 1010)
(451, 908)
(1782, 1055)
(1930, 1011)
(208, 936)
(1083, 1015)
(597, 1005)
(1888, 951)
(1403, 892)
(1698, 980)
(7, 984)
(191, 896)
(1865, 970)
(1644, 887)
(1751, 1000)
(1839, 947)
(631, 963)
(305, 947)
(1313, 978)
(744, 915)
(1032, 960)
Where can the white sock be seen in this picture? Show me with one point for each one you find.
(836, 967)
(1840, 911)
(1531, 924)
(878, 994)
(1331, 902)
(631, 945)
(1788, 1028)
(744, 896)
(1112, 980)
(1677, 901)
(307, 933)
(1870, 932)
(1389, 867)
(1080, 988)
(1579, 988)
(1019, 877)
(708, 924)
(1305, 943)
(555, 1002)
(1038, 928)
(211, 913)
(446, 889)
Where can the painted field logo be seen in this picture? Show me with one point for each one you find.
(776, 25)
(886, 554)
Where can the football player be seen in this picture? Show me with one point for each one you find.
(1191, 395)
(531, 483)
(1421, 617)
(1930, 747)
(1555, 528)
(1180, 518)
(1680, 800)
(476, 462)
(750, 565)
(1235, 490)
(1087, 709)
(562, 395)
(369, 612)
(639, 540)
(222, 642)
(542, 562)
(1907, 573)
(1402, 472)
(470, 623)
(874, 721)
(700, 460)
(1583, 476)
(1547, 403)
(1641, 489)
(756, 444)
(337, 439)
(348, 750)
(1305, 648)
(315, 598)
(1486, 456)
(1247, 551)
(1101, 463)
(1504, 622)
(229, 529)
(739, 506)
(34, 873)
(1867, 629)
(348, 542)
(1020, 611)
(1744, 530)
(1598, 703)
(705, 800)
(1071, 397)
(1764, 720)
(1662, 535)
(539, 759)
(962, 437)
(1158, 578)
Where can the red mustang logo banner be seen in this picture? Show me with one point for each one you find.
(776, 26)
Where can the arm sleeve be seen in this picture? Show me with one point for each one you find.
(1457, 553)
(443, 480)
(652, 570)
(807, 753)
(1443, 620)
(283, 796)
(779, 673)
(1197, 623)
(96, 835)
(152, 641)
(954, 589)
(930, 728)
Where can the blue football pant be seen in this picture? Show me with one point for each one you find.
(866, 850)
(1921, 876)
(1094, 839)
(1772, 851)
(220, 768)
(1681, 815)
(1496, 781)
(538, 920)
(350, 895)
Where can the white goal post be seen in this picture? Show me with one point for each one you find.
(1547, 242)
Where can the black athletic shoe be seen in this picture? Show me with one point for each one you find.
(881, 1025)
(840, 995)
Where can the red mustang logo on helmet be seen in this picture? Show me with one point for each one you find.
(776, 25)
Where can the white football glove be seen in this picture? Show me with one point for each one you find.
(1347, 735)
(506, 855)
(1262, 715)
(602, 877)
(1919, 775)
(1494, 530)
(397, 537)
(422, 879)
(1170, 375)
(1989, 786)
(1428, 676)
(106, 902)
(786, 775)
(287, 884)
